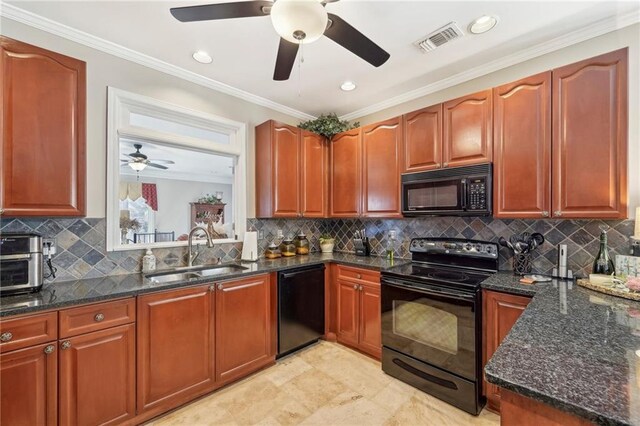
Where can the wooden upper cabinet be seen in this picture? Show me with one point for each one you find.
(501, 311)
(346, 182)
(467, 130)
(314, 175)
(98, 377)
(382, 153)
(175, 347)
(522, 148)
(244, 331)
(277, 172)
(29, 386)
(590, 138)
(43, 132)
(423, 139)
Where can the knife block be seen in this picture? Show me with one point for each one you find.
(362, 246)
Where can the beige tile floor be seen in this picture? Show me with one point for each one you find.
(325, 384)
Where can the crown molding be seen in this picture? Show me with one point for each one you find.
(588, 32)
(45, 24)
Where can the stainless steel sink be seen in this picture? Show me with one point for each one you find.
(168, 277)
(185, 273)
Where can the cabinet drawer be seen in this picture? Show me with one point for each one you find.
(358, 275)
(96, 317)
(21, 332)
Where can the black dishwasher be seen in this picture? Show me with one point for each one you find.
(300, 308)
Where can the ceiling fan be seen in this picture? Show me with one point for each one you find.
(297, 22)
(138, 161)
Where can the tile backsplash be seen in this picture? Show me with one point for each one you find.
(82, 244)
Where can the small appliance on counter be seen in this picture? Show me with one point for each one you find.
(361, 243)
(21, 263)
(250, 247)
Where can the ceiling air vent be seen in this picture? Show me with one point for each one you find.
(446, 34)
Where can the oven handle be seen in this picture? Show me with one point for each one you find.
(430, 290)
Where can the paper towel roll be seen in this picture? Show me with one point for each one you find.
(636, 233)
(250, 246)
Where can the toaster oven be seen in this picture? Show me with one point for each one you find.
(21, 263)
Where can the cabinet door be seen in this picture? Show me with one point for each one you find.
(382, 146)
(590, 138)
(97, 377)
(370, 320)
(28, 386)
(467, 130)
(348, 312)
(243, 327)
(423, 139)
(314, 174)
(43, 132)
(501, 311)
(175, 347)
(346, 163)
(522, 148)
(286, 183)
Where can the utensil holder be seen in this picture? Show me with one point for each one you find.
(522, 263)
(362, 246)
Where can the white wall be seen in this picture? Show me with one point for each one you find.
(106, 70)
(626, 37)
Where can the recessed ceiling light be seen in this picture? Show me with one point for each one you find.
(348, 86)
(483, 24)
(202, 57)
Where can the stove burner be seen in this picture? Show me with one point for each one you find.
(448, 276)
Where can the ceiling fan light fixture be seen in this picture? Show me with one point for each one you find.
(483, 24)
(137, 166)
(348, 86)
(202, 57)
(299, 21)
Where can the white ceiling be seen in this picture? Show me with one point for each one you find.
(244, 50)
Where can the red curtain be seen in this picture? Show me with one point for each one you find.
(150, 194)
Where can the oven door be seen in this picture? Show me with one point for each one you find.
(431, 324)
(439, 196)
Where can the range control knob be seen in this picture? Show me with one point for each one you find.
(479, 248)
(468, 247)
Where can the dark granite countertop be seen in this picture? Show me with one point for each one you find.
(574, 349)
(70, 293)
(507, 282)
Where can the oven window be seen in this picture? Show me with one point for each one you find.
(433, 196)
(409, 321)
(14, 272)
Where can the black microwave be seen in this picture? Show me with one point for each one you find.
(455, 191)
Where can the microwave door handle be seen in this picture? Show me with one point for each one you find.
(424, 290)
(463, 204)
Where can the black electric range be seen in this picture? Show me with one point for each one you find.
(432, 316)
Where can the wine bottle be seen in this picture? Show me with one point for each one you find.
(603, 263)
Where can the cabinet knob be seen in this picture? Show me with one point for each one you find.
(1, 210)
(99, 317)
(545, 213)
(360, 288)
(557, 213)
(220, 286)
(212, 288)
(5, 337)
(355, 286)
(358, 276)
(445, 164)
(65, 345)
(49, 349)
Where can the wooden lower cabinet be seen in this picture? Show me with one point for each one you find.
(97, 377)
(244, 335)
(500, 313)
(358, 322)
(175, 347)
(518, 410)
(29, 386)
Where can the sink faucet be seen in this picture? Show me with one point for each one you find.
(192, 257)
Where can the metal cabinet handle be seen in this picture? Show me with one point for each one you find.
(445, 164)
(220, 287)
(358, 276)
(557, 213)
(49, 349)
(360, 288)
(5, 337)
(438, 165)
(65, 345)
(99, 317)
(355, 286)
(1, 210)
(545, 213)
(212, 288)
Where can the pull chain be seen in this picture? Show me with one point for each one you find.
(300, 69)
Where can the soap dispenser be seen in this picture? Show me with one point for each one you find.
(149, 261)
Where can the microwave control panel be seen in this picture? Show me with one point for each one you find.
(477, 190)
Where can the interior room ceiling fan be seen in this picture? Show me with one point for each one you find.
(297, 22)
(138, 161)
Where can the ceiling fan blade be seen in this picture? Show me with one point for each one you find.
(353, 40)
(287, 53)
(209, 12)
(164, 161)
(157, 166)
